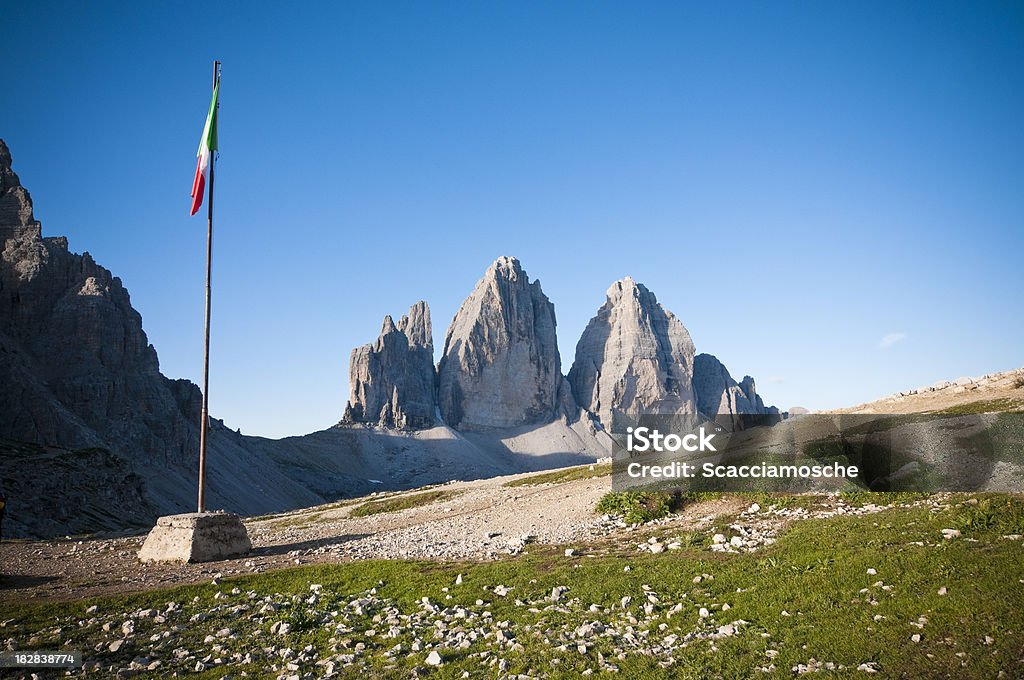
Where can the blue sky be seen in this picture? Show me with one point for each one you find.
(828, 195)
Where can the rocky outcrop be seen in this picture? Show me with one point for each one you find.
(77, 366)
(77, 372)
(392, 380)
(719, 395)
(15, 203)
(500, 366)
(633, 358)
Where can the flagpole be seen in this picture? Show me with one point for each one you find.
(204, 424)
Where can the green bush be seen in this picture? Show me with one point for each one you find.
(638, 507)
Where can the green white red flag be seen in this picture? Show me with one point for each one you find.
(207, 145)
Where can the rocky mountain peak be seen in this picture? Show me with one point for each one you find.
(634, 357)
(500, 366)
(392, 380)
(76, 367)
(15, 202)
(749, 389)
(416, 326)
(719, 395)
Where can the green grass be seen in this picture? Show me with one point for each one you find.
(1004, 405)
(816, 573)
(638, 507)
(565, 475)
(402, 503)
(305, 519)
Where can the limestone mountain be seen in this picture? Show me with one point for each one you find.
(77, 373)
(392, 380)
(500, 366)
(93, 437)
(718, 394)
(81, 392)
(633, 357)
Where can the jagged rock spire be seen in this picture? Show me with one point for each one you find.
(15, 202)
(500, 366)
(392, 380)
(634, 357)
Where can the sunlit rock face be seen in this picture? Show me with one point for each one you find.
(392, 380)
(500, 366)
(634, 357)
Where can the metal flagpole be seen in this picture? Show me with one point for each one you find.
(204, 424)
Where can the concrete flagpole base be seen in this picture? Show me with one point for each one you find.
(196, 537)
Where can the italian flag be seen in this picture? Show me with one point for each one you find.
(207, 145)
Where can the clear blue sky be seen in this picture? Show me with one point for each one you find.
(796, 181)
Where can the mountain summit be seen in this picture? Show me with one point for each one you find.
(393, 379)
(500, 366)
(634, 357)
(77, 372)
(15, 202)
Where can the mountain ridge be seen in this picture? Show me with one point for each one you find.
(79, 375)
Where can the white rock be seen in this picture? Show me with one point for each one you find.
(434, 659)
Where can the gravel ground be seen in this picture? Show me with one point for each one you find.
(371, 631)
(484, 520)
